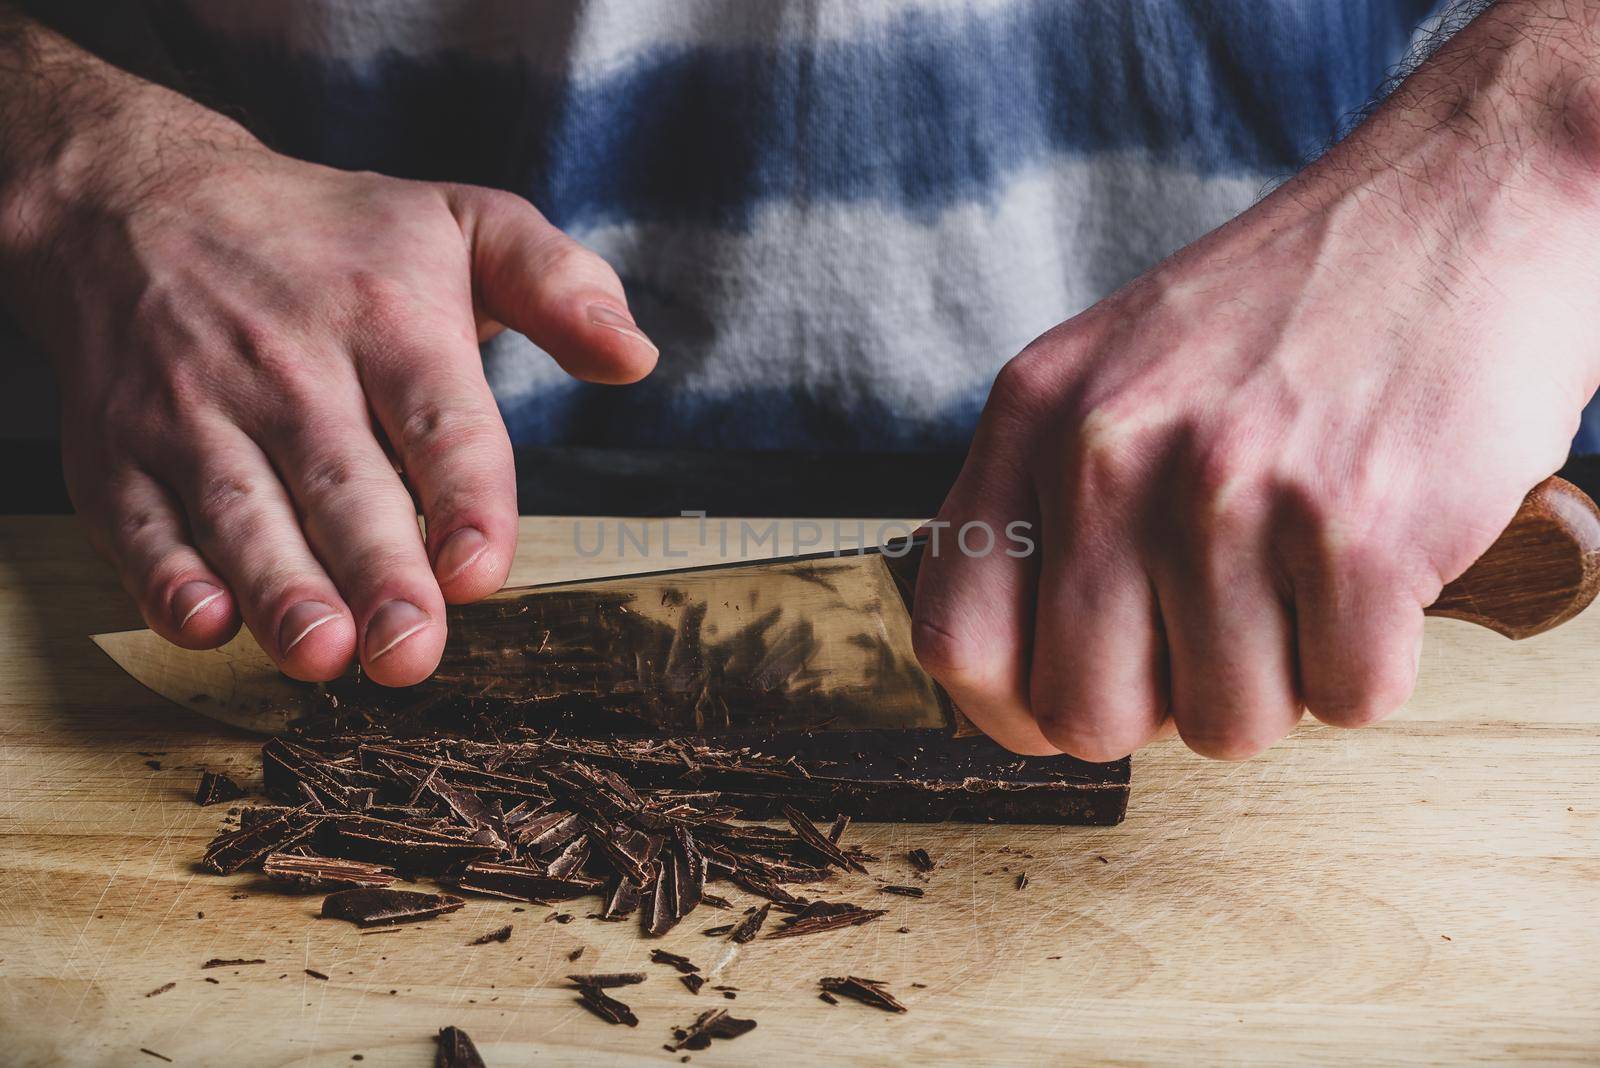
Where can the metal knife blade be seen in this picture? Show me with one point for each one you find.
(802, 643)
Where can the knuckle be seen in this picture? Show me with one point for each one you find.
(1025, 381)
(435, 432)
(227, 504)
(381, 299)
(1108, 455)
(1365, 701)
(947, 656)
(1237, 739)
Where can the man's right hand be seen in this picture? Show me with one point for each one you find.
(258, 355)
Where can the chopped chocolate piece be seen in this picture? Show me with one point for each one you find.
(605, 1006)
(158, 1056)
(621, 900)
(729, 994)
(836, 832)
(825, 916)
(750, 926)
(920, 860)
(661, 911)
(221, 962)
(214, 789)
(1022, 880)
(693, 982)
(714, 1023)
(683, 964)
(571, 859)
(499, 934)
(607, 980)
(903, 891)
(867, 991)
(383, 907)
(324, 873)
(316, 974)
(214, 982)
(902, 930)
(715, 902)
(575, 954)
(521, 883)
(559, 917)
(718, 931)
(230, 851)
(818, 841)
(162, 989)
(455, 1050)
(411, 849)
(829, 998)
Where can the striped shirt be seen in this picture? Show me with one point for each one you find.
(838, 218)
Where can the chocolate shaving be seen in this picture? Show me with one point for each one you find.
(750, 926)
(693, 982)
(383, 907)
(920, 860)
(231, 851)
(499, 934)
(324, 873)
(683, 964)
(605, 1006)
(222, 962)
(808, 833)
(621, 900)
(607, 980)
(836, 832)
(158, 1056)
(867, 991)
(824, 916)
(162, 989)
(455, 1050)
(316, 974)
(715, 902)
(216, 789)
(1022, 880)
(903, 891)
(718, 931)
(520, 883)
(714, 1023)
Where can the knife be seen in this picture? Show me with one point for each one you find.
(802, 643)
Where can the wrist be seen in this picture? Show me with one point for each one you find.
(86, 141)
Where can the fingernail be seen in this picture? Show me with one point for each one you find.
(459, 550)
(610, 318)
(190, 598)
(392, 624)
(301, 620)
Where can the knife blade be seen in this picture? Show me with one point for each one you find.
(805, 643)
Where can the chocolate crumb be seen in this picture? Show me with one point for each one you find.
(221, 962)
(499, 934)
(605, 1006)
(456, 1050)
(903, 891)
(867, 991)
(693, 982)
(316, 974)
(607, 980)
(575, 954)
(158, 1056)
(215, 789)
(1022, 880)
(162, 989)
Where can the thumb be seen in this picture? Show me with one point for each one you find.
(528, 275)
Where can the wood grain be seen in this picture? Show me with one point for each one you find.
(1419, 892)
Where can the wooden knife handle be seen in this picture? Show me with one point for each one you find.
(1542, 570)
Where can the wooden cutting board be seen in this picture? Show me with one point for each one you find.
(1422, 891)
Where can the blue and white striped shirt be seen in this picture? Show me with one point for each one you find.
(838, 218)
